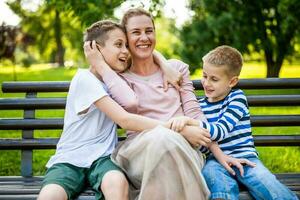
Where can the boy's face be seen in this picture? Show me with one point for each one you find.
(115, 50)
(217, 82)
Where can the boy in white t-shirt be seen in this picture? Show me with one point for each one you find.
(89, 135)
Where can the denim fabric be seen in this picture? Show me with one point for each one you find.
(261, 183)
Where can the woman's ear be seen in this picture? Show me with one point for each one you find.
(234, 80)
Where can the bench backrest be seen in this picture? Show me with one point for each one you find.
(31, 102)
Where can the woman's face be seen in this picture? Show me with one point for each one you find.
(115, 52)
(141, 36)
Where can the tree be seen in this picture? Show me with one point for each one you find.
(58, 24)
(265, 26)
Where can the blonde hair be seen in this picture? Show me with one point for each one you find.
(225, 56)
(98, 31)
(133, 12)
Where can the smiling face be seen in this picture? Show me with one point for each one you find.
(115, 50)
(217, 82)
(141, 36)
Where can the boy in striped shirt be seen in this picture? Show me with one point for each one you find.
(228, 121)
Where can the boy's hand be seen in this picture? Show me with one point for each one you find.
(228, 162)
(170, 75)
(173, 77)
(196, 136)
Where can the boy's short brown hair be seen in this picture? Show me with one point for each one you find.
(133, 12)
(98, 31)
(225, 56)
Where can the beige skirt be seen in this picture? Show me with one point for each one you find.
(161, 165)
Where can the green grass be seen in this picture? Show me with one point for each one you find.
(278, 159)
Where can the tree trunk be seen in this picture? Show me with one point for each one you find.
(270, 63)
(273, 71)
(60, 51)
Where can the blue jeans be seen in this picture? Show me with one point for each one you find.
(260, 182)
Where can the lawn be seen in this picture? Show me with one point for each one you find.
(279, 159)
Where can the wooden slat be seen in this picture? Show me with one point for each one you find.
(270, 100)
(277, 140)
(261, 83)
(63, 86)
(35, 103)
(57, 123)
(36, 124)
(273, 100)
(59, 103)
(35, 86)
(275, 120)
(50, 143)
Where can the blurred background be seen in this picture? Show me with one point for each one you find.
(41, 40)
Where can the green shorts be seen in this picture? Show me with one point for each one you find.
(75, 179)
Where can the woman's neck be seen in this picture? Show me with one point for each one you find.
(143, 67)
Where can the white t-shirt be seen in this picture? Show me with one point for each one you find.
(88, 136)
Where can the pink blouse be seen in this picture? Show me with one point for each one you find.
(146, 96)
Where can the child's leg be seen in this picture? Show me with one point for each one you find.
(62, 181)
(53, 192)
(262, 184)
(221, 184)
(114, 185)
(108, 180)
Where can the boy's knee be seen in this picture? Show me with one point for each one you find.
(52, 192)
(114, 181)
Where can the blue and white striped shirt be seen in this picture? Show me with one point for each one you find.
(229, 124)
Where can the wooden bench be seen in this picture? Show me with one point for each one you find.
(27, 186)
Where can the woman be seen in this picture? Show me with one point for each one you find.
(160, 163)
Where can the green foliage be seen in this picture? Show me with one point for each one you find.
(167, 40)
(87, 11)
(263, 26)
(56, 27)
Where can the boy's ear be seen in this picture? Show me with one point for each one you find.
(99, 47)
(234, 80)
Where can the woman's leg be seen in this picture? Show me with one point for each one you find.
(162, 165)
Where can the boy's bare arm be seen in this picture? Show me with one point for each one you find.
(125, 119)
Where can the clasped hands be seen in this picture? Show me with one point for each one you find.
(197, 136)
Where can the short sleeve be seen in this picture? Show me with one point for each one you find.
(88, 90)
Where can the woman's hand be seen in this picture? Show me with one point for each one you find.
(94, 56)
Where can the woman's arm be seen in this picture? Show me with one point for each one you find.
(190, 105)
(126, 120)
